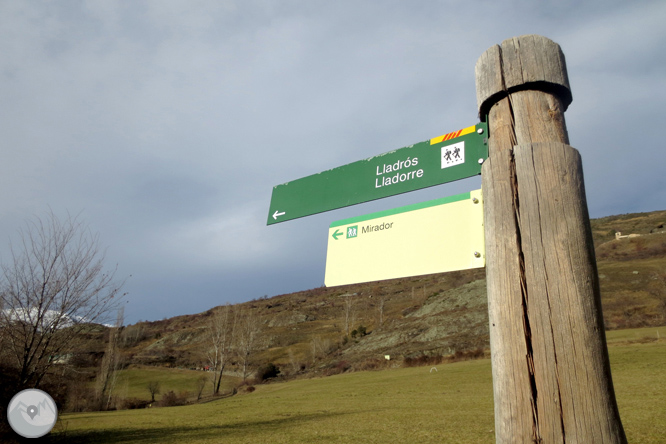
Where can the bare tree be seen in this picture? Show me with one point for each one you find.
(154, 388)
(314, 344)
(319, 347)
(295, 367)
(222, 330)
(349, 313)
(132, 335)
(108, 372)
(381, 303)
(54, 286)
(248, 327)
(380, 307)
(201, 385)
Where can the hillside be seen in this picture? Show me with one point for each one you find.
(304, 328)
(411, 319)
(632, 270)
(434, 314)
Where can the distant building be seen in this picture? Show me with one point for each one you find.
(618, 235)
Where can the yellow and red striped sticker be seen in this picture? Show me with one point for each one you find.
(453, 135)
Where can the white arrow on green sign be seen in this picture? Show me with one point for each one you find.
(443, 159)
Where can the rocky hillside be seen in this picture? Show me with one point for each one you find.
(356, 326)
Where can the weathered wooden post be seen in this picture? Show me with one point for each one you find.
(551, 373)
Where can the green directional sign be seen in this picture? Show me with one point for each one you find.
(443, 159)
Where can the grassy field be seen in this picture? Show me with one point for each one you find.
(453, 404)
(133, 382)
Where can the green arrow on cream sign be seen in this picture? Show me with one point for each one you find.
(432, 237)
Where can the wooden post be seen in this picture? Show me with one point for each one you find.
(551, 374)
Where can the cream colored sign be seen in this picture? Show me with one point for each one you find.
(431, 237)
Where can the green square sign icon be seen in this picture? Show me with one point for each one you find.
(352, 231)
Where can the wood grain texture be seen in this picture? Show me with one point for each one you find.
(488, 72)
(571, 366)
(538, 117)
(529, 62)
(551, 374)
(511, 381)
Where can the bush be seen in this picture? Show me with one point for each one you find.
(171, 399)
(343, 366)
(360, 332)
(372, 364)
(422, 360)
(467, 355)
(134, 403)
(80, 397)
(268, 371)
(336, 368)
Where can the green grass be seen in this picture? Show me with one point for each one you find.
(635, 335)
(133, 382)
(453, 404)
(398, 405)
(639, 377)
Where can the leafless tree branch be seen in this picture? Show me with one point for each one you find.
(53, 287)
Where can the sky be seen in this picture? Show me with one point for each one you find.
(165, 124)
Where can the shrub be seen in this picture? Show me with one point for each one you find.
(267, 371)
(478, 353)
(372, 364)
(171, 399)
(421, 360)
(80, 397)
(360, 332)
(133, 403)
(343, 366)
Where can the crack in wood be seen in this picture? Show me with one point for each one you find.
(529, 358)
(550, 317)
(536, 438)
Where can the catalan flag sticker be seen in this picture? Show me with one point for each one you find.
(453, 135)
